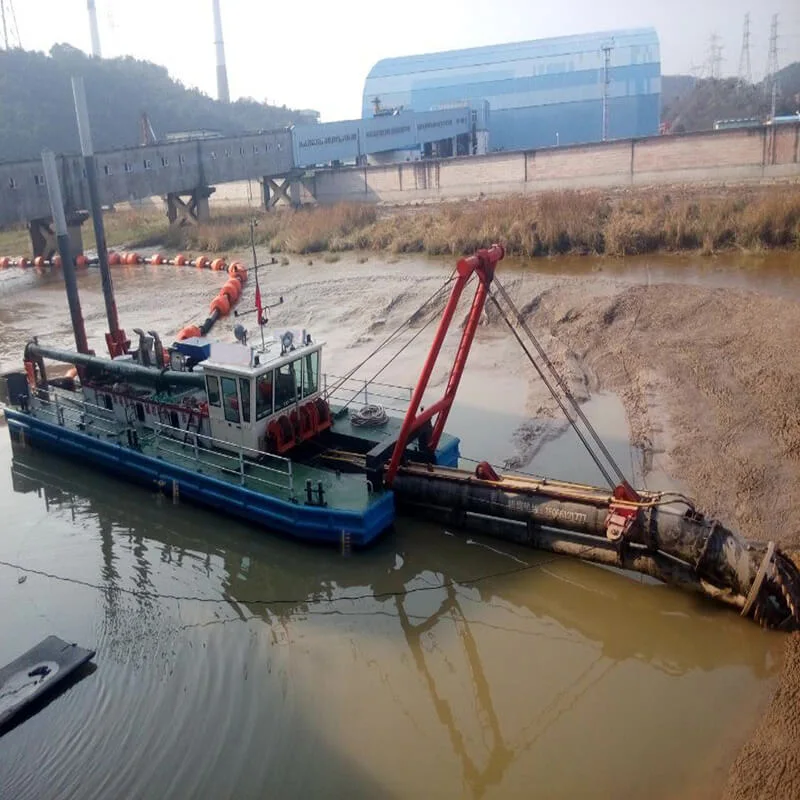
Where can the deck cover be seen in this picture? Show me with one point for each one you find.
(39, 670)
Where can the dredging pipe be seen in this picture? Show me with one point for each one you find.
(686, 550)
(97, 367)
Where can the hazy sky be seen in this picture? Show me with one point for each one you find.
(316, 53)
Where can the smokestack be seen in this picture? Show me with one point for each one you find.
(93, 28)
(222, 73)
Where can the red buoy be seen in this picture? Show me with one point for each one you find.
(221, 304)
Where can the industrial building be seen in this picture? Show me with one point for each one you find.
(567, 90)
(385, 137)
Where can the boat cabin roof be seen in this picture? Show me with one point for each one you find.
(252, 361)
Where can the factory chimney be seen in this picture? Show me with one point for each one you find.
(93, 28)
(222, 73)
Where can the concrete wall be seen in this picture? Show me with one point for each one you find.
(758, 154)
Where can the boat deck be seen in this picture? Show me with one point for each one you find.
(306, 496)
(365, 438)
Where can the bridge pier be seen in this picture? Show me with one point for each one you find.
(275, 189)
(43, 237)
(191, 210)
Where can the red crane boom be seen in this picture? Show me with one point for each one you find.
(483, 265)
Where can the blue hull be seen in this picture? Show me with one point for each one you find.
(309, 523)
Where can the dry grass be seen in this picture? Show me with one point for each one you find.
(552, 223)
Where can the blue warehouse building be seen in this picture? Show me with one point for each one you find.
(536, 94)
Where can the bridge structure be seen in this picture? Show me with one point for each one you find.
(185, 173)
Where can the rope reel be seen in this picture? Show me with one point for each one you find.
(370, 416)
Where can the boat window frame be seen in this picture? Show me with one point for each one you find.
(268, 409)
(211, 402)
(244, 406)
(235, 415)
(289, 365)
(306, 359)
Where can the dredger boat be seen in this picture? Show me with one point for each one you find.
(257, 431)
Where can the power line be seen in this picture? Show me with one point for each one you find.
(154, 595)
(745, 69)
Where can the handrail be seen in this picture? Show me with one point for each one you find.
(348, 390)
(371, 383)
(203, 455)
(63, 408)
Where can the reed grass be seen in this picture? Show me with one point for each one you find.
(549, 224)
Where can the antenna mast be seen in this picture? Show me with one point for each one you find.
(771, 79)
(745, 70)
(715, 57)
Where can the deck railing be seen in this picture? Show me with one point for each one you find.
(85, 415)
(204, 453)
(207, 454)
(356, 392)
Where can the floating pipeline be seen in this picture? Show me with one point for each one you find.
(223, 303)
(220, 306)
(116, 259)
(686, 549)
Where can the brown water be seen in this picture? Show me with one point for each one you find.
(298, 672)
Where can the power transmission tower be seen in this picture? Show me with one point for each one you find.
(745, 70)
(771, 79)
(714, 57)
(607, 48)
(8, 22)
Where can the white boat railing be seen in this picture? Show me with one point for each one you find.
(206, 453)
(356, 392)
(84, 414)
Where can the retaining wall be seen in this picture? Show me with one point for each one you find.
(748, 154)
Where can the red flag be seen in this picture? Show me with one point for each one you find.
(259, 307)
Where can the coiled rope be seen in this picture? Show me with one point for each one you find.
(370, 416)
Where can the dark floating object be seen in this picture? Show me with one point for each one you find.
(37, 672)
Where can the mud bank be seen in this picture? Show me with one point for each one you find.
(709, 380)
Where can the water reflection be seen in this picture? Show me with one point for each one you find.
(506, 668)
(277, 579)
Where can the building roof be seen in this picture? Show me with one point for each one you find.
(514, 51)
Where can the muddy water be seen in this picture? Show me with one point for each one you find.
(231, 663)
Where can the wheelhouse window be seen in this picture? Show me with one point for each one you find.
(244, 391)
(310, 373)
(230, 400)
(286, 380)
(264, 395)
(212, 388)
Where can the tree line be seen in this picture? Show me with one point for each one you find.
(37, 112)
